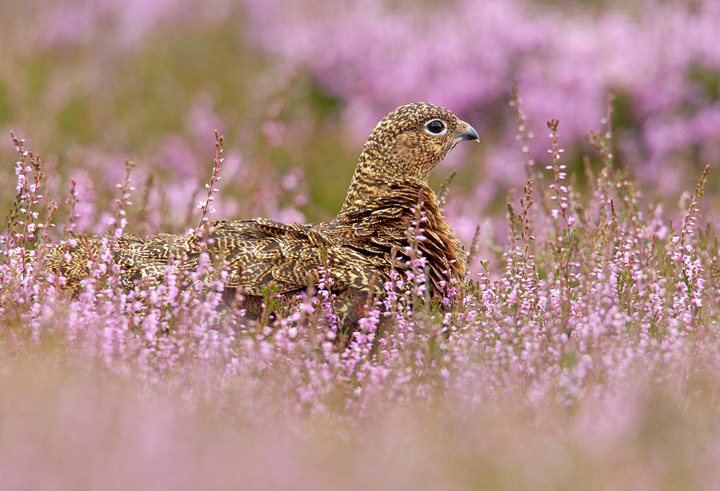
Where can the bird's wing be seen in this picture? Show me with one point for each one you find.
(264, 252)
(260, 254)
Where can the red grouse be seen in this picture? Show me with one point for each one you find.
(358, 246)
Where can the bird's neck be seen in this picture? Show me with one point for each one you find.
(375, 177)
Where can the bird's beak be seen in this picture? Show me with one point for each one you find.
(468, 134)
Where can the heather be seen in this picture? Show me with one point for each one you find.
(580, 353)
(596, 336)
(297, 86)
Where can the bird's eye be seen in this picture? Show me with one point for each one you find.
(435, 127)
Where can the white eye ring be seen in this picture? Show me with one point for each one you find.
(433, 128)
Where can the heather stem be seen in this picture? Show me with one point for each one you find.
(206, 205)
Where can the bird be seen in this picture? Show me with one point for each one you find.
(357, 250)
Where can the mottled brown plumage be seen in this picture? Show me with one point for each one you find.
(390, 180)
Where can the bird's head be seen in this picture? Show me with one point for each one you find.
(410, 141)
(406, 145)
